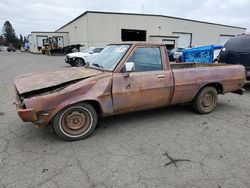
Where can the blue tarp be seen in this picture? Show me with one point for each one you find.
(202, 54)
(27, 45)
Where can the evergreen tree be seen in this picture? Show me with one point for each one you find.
(25, 39)
(9, 34)
(1, 40)
(21, 39)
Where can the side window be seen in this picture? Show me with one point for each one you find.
(146, 59)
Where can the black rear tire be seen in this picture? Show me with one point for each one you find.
(75, 122)
(78, 62)
(206, 100)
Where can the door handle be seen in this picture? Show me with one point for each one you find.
(161, 76)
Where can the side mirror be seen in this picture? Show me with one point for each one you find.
(91, 52)
(130, 67)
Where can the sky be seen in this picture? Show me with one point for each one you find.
(49, 15)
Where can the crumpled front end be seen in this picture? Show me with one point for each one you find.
(40, 106)
(25, 114)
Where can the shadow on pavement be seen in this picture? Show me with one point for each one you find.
(147, 114)
(247, 86)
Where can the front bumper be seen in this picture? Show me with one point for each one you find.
(24, 113)
(39, 118)
(69, 60)
(27, 115)
(30, 114)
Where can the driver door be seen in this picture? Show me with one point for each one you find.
(149, 86)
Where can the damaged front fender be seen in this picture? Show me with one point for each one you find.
(48, 103)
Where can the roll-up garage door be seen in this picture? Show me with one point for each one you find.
(184, 39)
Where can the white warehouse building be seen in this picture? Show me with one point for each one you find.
(100, 28)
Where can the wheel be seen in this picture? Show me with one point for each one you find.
(72, 64)
(206, 100)
(79, 62)
(75, 122)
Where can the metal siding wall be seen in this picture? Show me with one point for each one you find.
(78, 31)
(99, 29)
(224, 39)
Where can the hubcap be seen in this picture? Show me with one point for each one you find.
(78, 62)
(208, 100)
(75, 121)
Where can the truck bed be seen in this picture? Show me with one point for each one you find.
(190, 77)
(193, 65)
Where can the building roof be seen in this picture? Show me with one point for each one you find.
(48, 32)
(155, 15)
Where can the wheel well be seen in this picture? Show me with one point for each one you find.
(80, 58)
(217, 86)
(96, 105)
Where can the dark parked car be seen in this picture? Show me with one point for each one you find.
(11, 49)
(237, 51)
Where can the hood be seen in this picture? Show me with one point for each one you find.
(78, 54)
(37, 81)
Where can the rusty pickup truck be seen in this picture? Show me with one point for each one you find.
(125, 77)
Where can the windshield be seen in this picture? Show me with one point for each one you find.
(97, 50)
(109, 57)
(87, 50)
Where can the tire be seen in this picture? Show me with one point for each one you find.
(75, 122)
(206, 100)
(79, 62)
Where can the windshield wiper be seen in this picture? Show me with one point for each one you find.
(98, 65)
